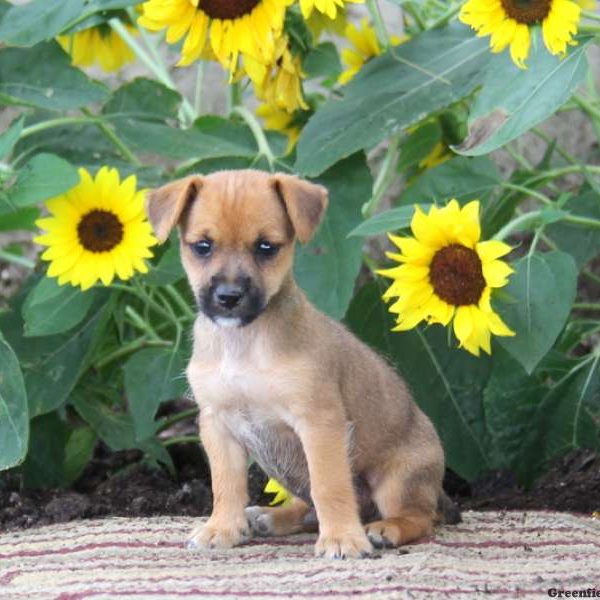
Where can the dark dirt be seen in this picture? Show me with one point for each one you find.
(118, 484)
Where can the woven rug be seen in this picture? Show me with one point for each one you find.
(498, 555)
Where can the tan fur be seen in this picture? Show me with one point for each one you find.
(317, 408)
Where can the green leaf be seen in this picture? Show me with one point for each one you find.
(322, 61)
(44, 466)
(53, 364)
(168, 270)
(388, 221)
(327, 268)
(568, 416)
(461, 178)
(419, 144)
(143, 99)
(43, 77)
(510, 401)
(51, 308)
(14, 417)
(79, 450)
(582, 243)
(23, 219)
(116, 430)
(446, 382)
(38, 20)
(393, 92)
(44, 176)
(10, 137)
(100, 5)
(152, 376)
(544, 286)
(503, 112)
(209, 137)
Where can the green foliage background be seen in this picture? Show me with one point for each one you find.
(80, 367)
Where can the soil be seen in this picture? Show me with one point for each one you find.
(119, 484)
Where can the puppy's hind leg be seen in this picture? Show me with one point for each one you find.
(296, 517)
(407, 502)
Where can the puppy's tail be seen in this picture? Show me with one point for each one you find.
(448, 511)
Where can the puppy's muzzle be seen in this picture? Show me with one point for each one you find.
(228, 296)
(231, 303)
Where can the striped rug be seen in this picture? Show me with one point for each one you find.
(497, 555)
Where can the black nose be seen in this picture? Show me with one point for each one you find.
(228, 296)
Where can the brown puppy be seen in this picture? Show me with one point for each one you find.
(276, 379)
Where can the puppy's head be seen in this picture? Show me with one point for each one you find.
(237, 231)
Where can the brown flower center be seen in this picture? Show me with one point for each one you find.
(227, 9)
(527, 12)
(100, 231)
(456, 276)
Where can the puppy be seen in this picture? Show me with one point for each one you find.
(277, 380)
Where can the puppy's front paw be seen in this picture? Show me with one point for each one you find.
(343, 545)
(212, 536)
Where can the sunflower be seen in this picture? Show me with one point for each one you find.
(96, 230)
(327, 7)
(282, 496)
(231, 27)
(508, 23)
(279, 119)
(278, 83)
(318, 23)
(365, 47)
(98, 44)
(448, 274)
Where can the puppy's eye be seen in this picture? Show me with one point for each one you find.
(203, 248)
(264, 249)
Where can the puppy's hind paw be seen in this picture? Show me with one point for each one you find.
(260, 521)
(211, 537)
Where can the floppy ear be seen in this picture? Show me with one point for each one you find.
(304, 202)
(165, 205)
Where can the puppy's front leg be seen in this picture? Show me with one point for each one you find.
(340, 531)
(227, 525)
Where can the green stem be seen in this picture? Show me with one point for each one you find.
(180, 416)
(141, 324)
(525, 190)
(443, 20)
(587, 106)
(587, 306)
(384, 178)
(114, 138)
(517, 157)
(141, 295)
(187, 311)
(259, 135)
(142, 342)
(235, 95)
(151, 63)
(17, 260)
(39, 127)
(590, 15)
(591, 276)
(517, 224)
(182, 439)
(380, 30)
(542, 135)
(589, 28)
(198, 88)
